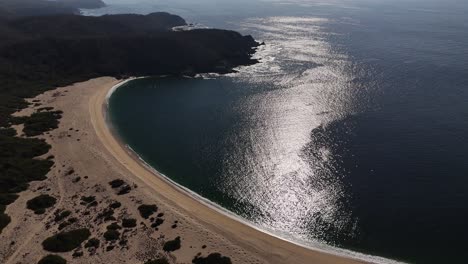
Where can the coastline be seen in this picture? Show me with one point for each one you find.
(87, 157)
(237, 229)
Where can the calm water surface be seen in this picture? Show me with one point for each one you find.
(351, 132)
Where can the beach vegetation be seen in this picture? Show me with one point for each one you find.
(116, 183)
(92, 243)
(52, 259)
(161, 260)
(214, 258)
(40, 122)
(4, 220)
(129, 222)
(172, 245)
(157, 222)
(111, 235)
(124, 190)
(146, 210)
(40, 203)
(66, 241)
(115, 205)
(88, 199)
(107, 214)
(63, 225)
(110, 248)
(59, 216)
(18, 167)
(113, 226)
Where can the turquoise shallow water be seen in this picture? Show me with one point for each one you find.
(352, 131)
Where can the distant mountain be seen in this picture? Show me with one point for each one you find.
(86, 26)
(22, 8)
(88, 4)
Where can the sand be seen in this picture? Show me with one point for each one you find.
(85, 148)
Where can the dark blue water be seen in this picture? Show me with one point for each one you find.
(353, 131)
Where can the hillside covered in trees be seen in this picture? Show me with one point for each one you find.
(43, 52)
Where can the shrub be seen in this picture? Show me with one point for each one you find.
(111, 235)
(158, 222)
(147, 210)
(106, 214)
(214, 258)
(172, 245)
(113, 226)
(40, 203)
(41, 122)
(115, 205)
(63, 225)
(88, 199)
(124, 190)
(129, 223)
(162, 260)
(52, 259)
(66, 241)
(4, 221)
(116, 183)
(45, 109)
(62, 215)
(93, 242)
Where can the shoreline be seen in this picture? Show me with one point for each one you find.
(221, 218)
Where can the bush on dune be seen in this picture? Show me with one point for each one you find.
(162, 260)
(147, 210)
(214, 258)
(40, 203)
(111, 235)
(172, 245)
(66, 241)
(129, 222)
(116, 183)
(41, 122)
(4, 221)
(92, 243)
(52, 259)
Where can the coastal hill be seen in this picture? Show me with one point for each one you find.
(41, 53)
(88, 26)
(62, 49)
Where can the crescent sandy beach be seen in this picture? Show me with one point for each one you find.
(88, 156)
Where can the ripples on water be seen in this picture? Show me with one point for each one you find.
(290, 170)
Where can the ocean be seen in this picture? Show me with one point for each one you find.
(352, 131)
